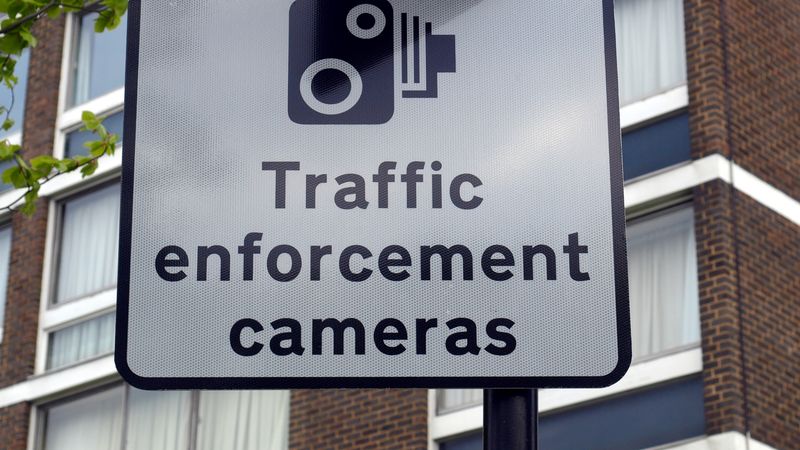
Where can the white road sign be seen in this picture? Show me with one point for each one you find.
(372, 193)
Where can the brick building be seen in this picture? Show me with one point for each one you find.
(710, 95)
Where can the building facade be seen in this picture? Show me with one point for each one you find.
(710, 111)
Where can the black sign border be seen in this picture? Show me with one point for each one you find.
(620, 264)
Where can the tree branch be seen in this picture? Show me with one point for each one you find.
(30, 17)
(10, 206)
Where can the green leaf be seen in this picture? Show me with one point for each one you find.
(21, 162)
(8, 150)
(43, 164)
(101, 131)
(66, 165)
(90, 120)
(81, 159)
(15, 176)
(96, 148)
(12, 44)
(89, 168)
(102, 21)
(7, 124)
(28, 37)
(29, 207)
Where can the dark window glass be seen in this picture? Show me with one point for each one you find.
(471, 442)
(647, 418)
(656, 146)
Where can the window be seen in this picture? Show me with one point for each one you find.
(243, 420)
(662, 268)
(662, 277)
(5, 256)
(92, 422)
(87, 256)
(650, 47)
(648, 418)
(98, 60)
(16, 99)
(236, 420)
(79, 318)
(448, 400)
(94, 80)
(80, 342)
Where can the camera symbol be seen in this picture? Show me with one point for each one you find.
(342, 60)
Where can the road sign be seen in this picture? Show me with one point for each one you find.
(372, 193)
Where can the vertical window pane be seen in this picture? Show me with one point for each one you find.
(82, 341)
(662, 267)
(452, 399)
(89, 423)
(87, 260)
(650, 47)
(157, 420)
(243, 420)
(17, 97)
(99, 64)
(5, 254)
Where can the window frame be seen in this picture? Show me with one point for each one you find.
(41, 409)
(69, 116)
(645, 371)
(52, 316)
(65, 325)
(37, 432)
(60, 204)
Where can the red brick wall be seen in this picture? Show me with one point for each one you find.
(14, 426)
(769, 252)
(743, 66)
(359, 419)
(705, 77)
(719, 316)
(28, 233)
(18, 348)
(763, 42)
(751, 365)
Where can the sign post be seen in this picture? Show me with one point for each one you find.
(373, 193)
(510, 419)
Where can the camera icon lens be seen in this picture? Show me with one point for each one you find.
(307, 91)
(353, 39)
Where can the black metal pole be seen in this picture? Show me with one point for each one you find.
(510, 419)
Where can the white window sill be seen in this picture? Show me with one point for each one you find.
(108, 167)
(14, 138)
(653, 107)
(59, 316)
(45, 386)
(100, 105)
